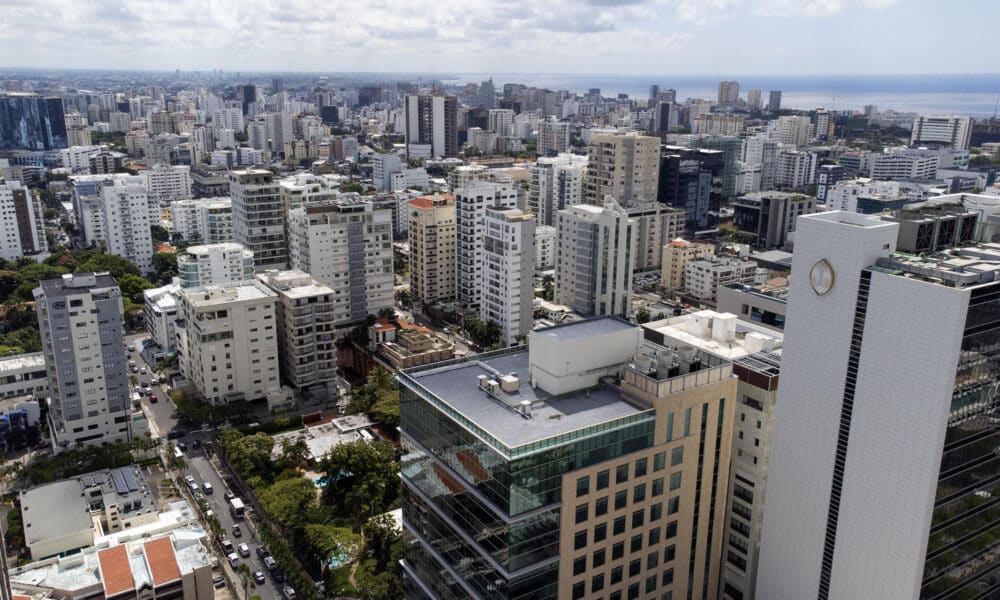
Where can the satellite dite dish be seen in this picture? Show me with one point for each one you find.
(821, 277)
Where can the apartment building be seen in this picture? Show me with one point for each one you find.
(676, 255)
(625, 166)
(258, 217)
(471, 203)
(22, 223)
(508, 272)
(205, 220)
(431, 233)
(214, 264)
(555, 183)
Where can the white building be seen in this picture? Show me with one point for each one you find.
(162, 310)
(208, 220)
(214, 264)
(796, 170)
(347, 246)
(600, 239)
(952, 131)
(384, 166)
(168, 183)
(77, 158)
(793, 130)
(508, 272)
(545, 247)
(22, 223)
(904, 165)
(305, 328)
(553, 136)
(704, 276)
(228, 345)
(501, 120)
(127, 219)
(80, 319)
(844, 195)
(763, 151)
(876, 482)
(228, 118)
(555, 183)
(258, 217)
(23, 375)
(719, 124)
(471, 203)
(415, 178)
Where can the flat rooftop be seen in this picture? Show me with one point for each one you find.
(721, 334)
(583, 329)
(220, 295)
(457, 385)
(54, 510)
(35, 360)
(955, 267)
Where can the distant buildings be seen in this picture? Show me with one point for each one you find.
(729, 93)
(432, 248)
(753, 99)
(553, 136)
(432, 121)
(31, 122)
(594, 258)
(80, 319)
(719, 124)
(774, 101)
(22, 223)
(793, 130)
(950, 131)
(168, 183)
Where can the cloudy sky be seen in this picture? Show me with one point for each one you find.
(527, 36)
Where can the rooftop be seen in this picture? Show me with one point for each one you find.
(293, 283)
(721, 334)
(76, 283)
(431, 201)
(956, 267)
(115, 570)
(35, 360)
(320, 439)
(220, 295)
(457, 385)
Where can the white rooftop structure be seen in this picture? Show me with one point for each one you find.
(721, 334)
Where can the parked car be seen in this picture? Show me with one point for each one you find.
(288, 592)
(258, 576)
(262, 552)
(234, 560)
(207, 487)
(229, 495)
(237, 532)
(244, 550)
(219, 581)
(153, 399)
(131, 348)
(142, 370)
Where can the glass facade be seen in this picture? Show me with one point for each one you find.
(492, 516)
(963, 551)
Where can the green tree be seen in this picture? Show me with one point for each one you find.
(404, 298)
(642, 315)
(132, 287)
(29, 277)
(251, 455)
(329, 541)
(363, 479)
(117, 266)
(159, 234)
(164, 266)
(289, 501)
(293, 454)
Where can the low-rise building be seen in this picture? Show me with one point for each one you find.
(866, 196)
(676, 254)
(765, 304)
(161, 310)
(409, 345)
(22, 375)
(704, 276)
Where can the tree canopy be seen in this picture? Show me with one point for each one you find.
(363, 479)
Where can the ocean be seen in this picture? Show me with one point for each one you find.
(973, 95)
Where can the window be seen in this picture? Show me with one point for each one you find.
(635, 544)
(640, 467)
(580, 565)
(616, 575)
(581, 513)
(634, 567)
(655, 512)
(670, 426)
(671, 530)
(650, 583)
(582, 485)
(638, 518)
(687, 421)
(639, 493)
(675, 481)
(633, 591)
(619, 526)
(657, 486)
(601, 506)
(621, 474)
(654, 536)
(600, 532)
(668, 576)
(602, 479)
(597, 583)
(621, 499)
(580, 540)
(669, 553)
(659, 461)
(618, 551)
(599, 558)
(673, 505)
(579, 590)
(676, 456)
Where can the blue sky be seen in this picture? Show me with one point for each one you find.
(529, 36)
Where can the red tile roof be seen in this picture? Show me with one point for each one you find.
(382, 325)
(19, 597)
(116, 572)
(428, 201)
(404, 324)
(162, 561)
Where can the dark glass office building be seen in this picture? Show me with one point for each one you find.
(31, 122)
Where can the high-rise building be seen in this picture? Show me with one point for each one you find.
(305, 327)
(953, 132)
(31, 122)
(432, 120)
(556, 182)
(214, 264)
(228, 342)
(753, 99)
(384, 166)
(883, 465)
(501, 120)
(167, 183)
(80, 319)
(553, 136)
(824, 124)
(774, 101)
(625, 166)
(665, 118)
(621, 488)
(676, 255)
(685, 182)
(796, 170)
(22, 223)
(594, 258)
(487, 94)
(247, 94)
(508, 272)
(432, 248)
(770, 216)
(228, 118)
(471, 203)
(729, 93)
(545, 247)
(719, 124)
(794, 130)
(258, 217)
(729, 147)
(205, 220)
(655, 225)
(347, 246)
(654, 92)
(126, 219)
(827, 176)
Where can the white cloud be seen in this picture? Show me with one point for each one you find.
(816, 8)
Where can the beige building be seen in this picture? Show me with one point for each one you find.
(305, 327)
(432, 248)
(228, 343)
(676, 254)
(656, 224)
(625, 166)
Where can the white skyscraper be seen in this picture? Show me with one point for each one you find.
(501, 120)
(556, 183)
(471, 203)
(955, 132)
(883, 463)
(127, 219)
(595, 258)
(508, 272)
(794, 130)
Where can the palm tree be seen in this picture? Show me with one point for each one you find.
(381, 379)
(548, 285)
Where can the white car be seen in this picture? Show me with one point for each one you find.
(234, 560)
(244, 550)
(189, 479)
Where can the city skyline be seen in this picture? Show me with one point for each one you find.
(613, 36)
